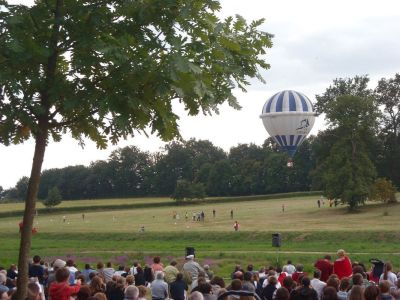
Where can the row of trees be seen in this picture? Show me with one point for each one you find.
(247, 169)
(360, 144)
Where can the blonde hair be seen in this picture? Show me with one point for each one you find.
(341, 253)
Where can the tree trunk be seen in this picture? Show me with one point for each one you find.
(29, 213)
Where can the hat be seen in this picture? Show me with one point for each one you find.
(59, 263)
(191, 256)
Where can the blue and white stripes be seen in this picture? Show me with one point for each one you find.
(288, 101)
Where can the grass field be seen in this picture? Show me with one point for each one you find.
(307, 232)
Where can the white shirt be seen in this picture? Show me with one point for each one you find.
(391, 277)
(318, 286)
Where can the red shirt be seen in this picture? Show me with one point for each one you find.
(342, 267)
(63, 291)
(296, 275)
(326, 268)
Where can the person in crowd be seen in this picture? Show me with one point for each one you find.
(356, 293)
(281, 274)
(97, 285)
(389, 275)
(282, 294)
(217, 283)
(148, 274)
(130, 280)
(371, 292)
(289, 268)
(61, 290)
(34, 292)
(120, 271)
(298, 273)
(131, 293)
(142, 292)
(115, 289)
(289, 284)
(139, 277)
(100, 296)
(159, 288)
(209, 273)
(329, 293)
(3, 287)
(84, 293)
(317, 284)
(192, 268)
(206, 290)
(178, 288)
(196, 296)
(108, 272)
(86, 271)
(325, 265)
(36, 270)
(72, 270)
(334, 282)
(170, 272)
(342, 265)
(201, 277)
(343, 288)
(304, 291)
(269, 289)
(157, 265)
(384, 290)
(133, 269)
(248, 284)
(12, 272)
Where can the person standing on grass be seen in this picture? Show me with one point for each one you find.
(325, 266)
(231, 213)
(342, 265)
(236, 225)
(213, 213)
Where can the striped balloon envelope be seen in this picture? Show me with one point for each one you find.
(288, 117)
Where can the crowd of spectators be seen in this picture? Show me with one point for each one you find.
(331, 280)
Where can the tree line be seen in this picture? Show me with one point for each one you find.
(360, 144)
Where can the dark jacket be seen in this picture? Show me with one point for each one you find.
(177, 290)
(304, 293)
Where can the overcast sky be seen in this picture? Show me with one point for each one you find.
(314, 42)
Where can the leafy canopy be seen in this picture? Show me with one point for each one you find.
(107, 69)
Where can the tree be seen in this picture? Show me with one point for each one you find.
(357, 86)
(348, 170)
(383, 190)
(387, 94)
(188, 190)
(104, 70)
(53, 198)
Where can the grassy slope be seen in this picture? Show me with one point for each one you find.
(305, 229)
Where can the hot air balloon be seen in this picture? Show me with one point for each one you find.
(288, 117)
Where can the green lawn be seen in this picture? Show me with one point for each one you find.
(307, 231)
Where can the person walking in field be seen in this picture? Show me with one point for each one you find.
(325, 266)
(213, 213)
(236, 225)
(231, 213)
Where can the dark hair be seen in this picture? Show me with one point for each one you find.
(62, 274)
(250, 267)
(173, 263)
(179, 276)
(344, 284)
(282, 294)
(36, 259)
(92, 274)
(205, 288)
(70, 263)
(236, 285)
(156, 259)
(357, 279)
(386, 269)
(87, 266)
(317, 273)
(299, 268)
(218, 281)
(109, 265)
(328, 257)
(272, 280)
(329, 293)
(288, 283)
(305, 281)
(247, 276)
(334, 282)
(371, 292)
(100, 265)
(84, 293)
